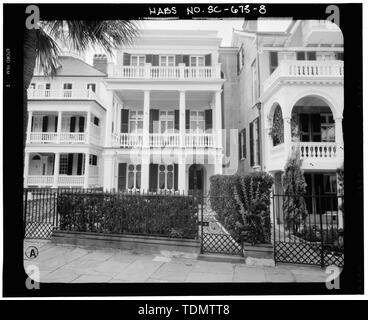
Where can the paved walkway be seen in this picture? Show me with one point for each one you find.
(70, 264)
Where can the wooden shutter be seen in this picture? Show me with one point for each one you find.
(240, 145)
(126, 59)
(155, 60)
(80, 164)
(273, 61)
(81, 124)
(124, 124)
(45, 123)
(154, 116)
(176, 169)
(187, 119)
(186, 60)
(72, 124)
(153, 174)
(178, 59)
(244, 146)
(56, 121)
(208, 119)
(149, 58)
(300, 55)
(251, 144)
(207, 60)
(70, 164)
(316, 127)
(311, 55)
(177, 120)
(237, 63)
(122, 176)
(258, 141)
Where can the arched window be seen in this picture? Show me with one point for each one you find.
(277, 132)
(36, 157)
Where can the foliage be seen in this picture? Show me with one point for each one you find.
(340, 182)
(242, 205)
(295, 186)
(171, 216)
(277, 130)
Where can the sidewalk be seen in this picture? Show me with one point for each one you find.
(71, 264)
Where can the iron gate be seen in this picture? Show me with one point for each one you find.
(315, 237)
(40, 213)
(214, 236)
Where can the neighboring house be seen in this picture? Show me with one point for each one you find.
(158, 110)
(292, 85)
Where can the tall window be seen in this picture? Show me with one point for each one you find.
(135, 121)
(167, 121)
(327, 127)
(93, 160)
(67, 90)
(91, 86)
(197, 61)
(134, 176)
(242, 144)
(197, 121)
(306, 55)
(166, 177)
(138, 60)
(63, 164)
(167, 61)
(254, 82)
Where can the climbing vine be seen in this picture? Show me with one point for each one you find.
(277, 130)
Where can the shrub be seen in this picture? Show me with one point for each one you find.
(171, 216)
(242, 205)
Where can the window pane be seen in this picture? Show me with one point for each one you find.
(130, 180)
(138, 167)
(162, 180)
(200, 61)
(201, 115)
(162, 167)
(170, 180)
(163, 126)
(193, 61)
(201, 125)
(170, 125)
(138, 180)
(131, 167)
(140, 126)
(170, 167)
(193, 113)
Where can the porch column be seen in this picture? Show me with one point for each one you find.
(146, 119)
(26, 169)
(218, 116)
(108, 172)
(58, 129)
(88, 127)
(29, 125)
(56, 169)
(145, 170)
(182, 174)
(218, 164)
(86, 170)
(339, 138)
(108, 124)
(287, 135)
(182, 118)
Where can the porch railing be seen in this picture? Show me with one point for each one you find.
(55, 137)
(164, 139)
(201, 140)
(49, 180)
(127, 139)
(319, 150)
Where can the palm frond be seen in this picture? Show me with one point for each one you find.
(105, 34)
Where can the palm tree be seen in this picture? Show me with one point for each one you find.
(41, 45)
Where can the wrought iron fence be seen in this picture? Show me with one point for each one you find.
(309, 229)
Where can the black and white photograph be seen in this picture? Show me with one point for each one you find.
(183, 145)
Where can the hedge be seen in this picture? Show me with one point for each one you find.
(162, 215)
(242, 205)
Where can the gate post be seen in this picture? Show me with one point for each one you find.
(202, 196)
(321, 228)
(25, 204)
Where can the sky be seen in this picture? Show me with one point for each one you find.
(224, 27)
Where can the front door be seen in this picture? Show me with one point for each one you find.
(196, 178)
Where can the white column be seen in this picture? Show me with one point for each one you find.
(182, 118)
(339, 138)
(88, 127)
(108, 124)
(146, 112)
(218, 117)
(145, 171)
(182, 174)
(86, 170)
(29, 125)
(58, 129)
(26, 169)
(218, 164)
(107, 172)
(287, 136)
(56, 169)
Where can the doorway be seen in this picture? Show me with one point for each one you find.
(196, 178)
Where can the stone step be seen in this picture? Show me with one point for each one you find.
(220, 258)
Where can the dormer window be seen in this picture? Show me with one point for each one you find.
(197, 61)
(138, 60)
(167, 61)
(67, 90)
